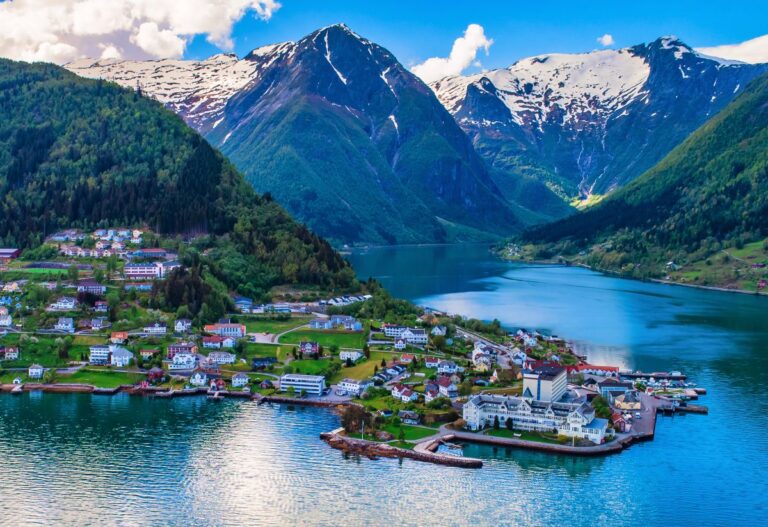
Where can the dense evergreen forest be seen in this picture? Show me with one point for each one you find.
(86, 153)
(708, 193)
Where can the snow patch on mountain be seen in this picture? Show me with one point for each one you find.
(196, 90)
(572, 87)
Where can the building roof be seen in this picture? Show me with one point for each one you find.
(548, 372)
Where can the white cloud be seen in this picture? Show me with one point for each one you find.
(158, 42)
(754, 51)
(463, 55)
(63, 30)
(109, 51)
(606, 40)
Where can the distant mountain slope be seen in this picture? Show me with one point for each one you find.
(588, 123)
(708, 193)
(336, 129)
(84, 153)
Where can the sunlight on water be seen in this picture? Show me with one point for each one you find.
(99, 460)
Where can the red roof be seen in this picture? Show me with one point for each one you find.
(585, 366)
(213, 339)
(445, 382)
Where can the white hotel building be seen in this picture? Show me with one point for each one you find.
(309, 384)
(566, 419)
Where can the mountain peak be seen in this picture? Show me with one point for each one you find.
(671, 43)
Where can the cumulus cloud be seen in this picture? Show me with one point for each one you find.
(463, 55)
(63, 30)
(606, 40)
(753, 51)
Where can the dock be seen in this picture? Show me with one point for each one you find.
(658, 375)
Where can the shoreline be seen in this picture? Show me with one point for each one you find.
(615, 274)
(163, 393)
(424, 450)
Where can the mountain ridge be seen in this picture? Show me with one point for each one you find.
(402, 171)
(588, 123)
(705, 196)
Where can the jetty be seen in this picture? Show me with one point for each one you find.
(371, 449)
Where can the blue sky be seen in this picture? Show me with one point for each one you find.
(416, 30)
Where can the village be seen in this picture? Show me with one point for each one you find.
(81, 320)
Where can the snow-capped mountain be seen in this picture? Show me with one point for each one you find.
(196, 90)
(339, 132)
(586, 123)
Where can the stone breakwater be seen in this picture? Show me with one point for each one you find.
(375, 450)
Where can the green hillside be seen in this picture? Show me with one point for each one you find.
(709, 195)
(85, 153)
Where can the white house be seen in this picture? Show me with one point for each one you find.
(400, 344)
(439, 331)
(35, 371)
(156, 329)
(403, 393)
(65, 324)
(198, 378)
(408, 395)
(352, 355)
(221, 357)
(414, 336)
(143, 271)
(65, 303)
(6, 321)
(183, 361)
(447, 367)
(309, 384)
(354, 387)
(226, 330)
(431, 362)
(9, 353)
(239, 380)
(568, 419)
(393, 331)
(121, 357)
(430, 395)
(447, 388)
(182, 325)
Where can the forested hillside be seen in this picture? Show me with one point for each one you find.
(709, 193)
(87, 153)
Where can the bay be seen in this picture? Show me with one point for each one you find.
(99, 460)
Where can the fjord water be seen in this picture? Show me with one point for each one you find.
(100, 460)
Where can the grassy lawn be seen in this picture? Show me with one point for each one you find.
(101, 378)
(40, 350)
(8, 376)
(266, 325)
(411, 433)
(363, 369)
(525, 435)
(341, 339)
(265, 350)
(90, 340)
(310, 367)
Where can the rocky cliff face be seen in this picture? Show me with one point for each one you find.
(585, 124)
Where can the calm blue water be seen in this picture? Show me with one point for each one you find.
(96, 460)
